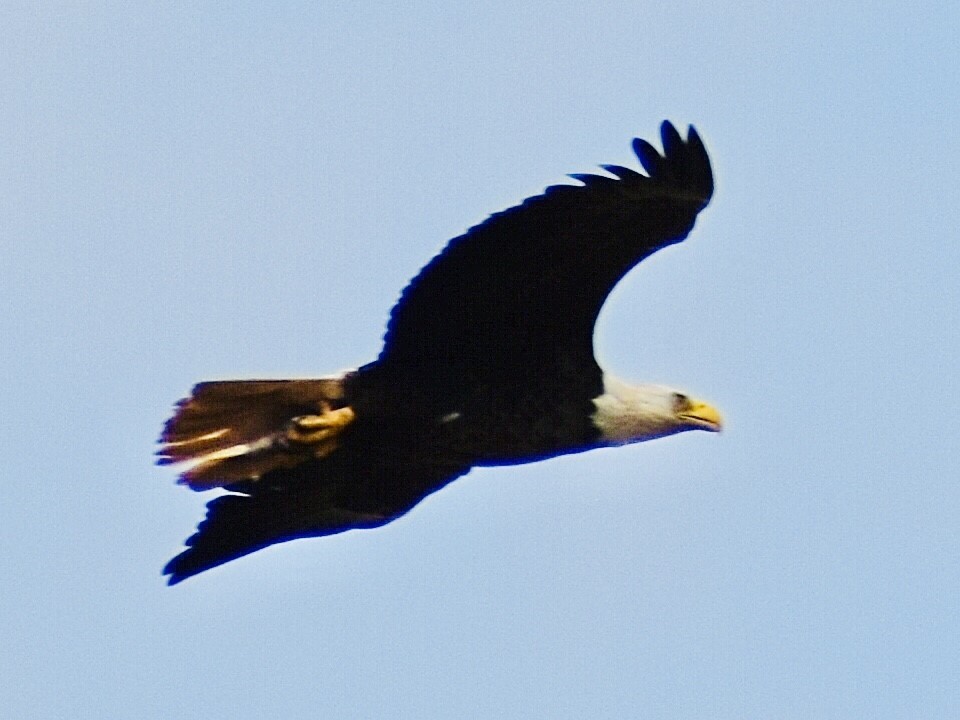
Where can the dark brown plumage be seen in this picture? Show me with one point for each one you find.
(487, 360)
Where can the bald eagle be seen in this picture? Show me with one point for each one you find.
(487, 360)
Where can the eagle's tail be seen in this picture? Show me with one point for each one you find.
(238, 430)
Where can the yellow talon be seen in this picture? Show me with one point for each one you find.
(315, 429)
(311, 422)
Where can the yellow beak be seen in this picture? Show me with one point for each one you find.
(703, 416)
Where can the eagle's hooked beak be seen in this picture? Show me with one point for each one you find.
(702, 416)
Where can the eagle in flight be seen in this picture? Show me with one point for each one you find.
(487, 360)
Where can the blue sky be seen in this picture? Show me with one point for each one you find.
(241, 190)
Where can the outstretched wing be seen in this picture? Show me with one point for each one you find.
(313, 499)
(237, 525)
(524, 288)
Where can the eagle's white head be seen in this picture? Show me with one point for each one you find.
(633, 413)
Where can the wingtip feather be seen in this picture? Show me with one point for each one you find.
(649, 157)
(672, 142)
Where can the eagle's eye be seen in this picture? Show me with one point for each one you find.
(680, 402)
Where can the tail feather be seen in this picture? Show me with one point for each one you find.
(237, 430)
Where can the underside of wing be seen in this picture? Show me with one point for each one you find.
(313, 499)
(239, 524)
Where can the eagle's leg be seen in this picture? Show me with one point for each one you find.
(319, 431)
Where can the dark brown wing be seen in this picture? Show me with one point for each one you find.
(318, 498)
(523, 289)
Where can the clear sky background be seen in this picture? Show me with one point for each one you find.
(223, 190)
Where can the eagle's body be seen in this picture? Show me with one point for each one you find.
(488, 360)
